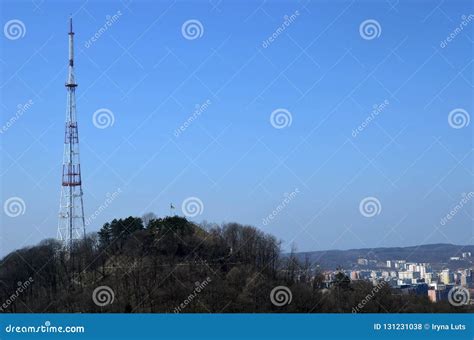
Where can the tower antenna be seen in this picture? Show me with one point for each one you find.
(71, 225)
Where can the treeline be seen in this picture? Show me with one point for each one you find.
(166, 265)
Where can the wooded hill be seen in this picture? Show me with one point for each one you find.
(159, 265)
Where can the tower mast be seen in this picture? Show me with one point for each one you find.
(71, 225)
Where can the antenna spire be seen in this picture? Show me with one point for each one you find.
(71, 81)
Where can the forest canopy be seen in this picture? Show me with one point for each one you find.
(172, 265)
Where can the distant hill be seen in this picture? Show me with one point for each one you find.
(436, 254)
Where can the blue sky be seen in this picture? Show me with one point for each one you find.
(321, 69)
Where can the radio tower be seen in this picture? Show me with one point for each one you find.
(71, 226)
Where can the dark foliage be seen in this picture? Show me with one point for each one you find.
(172, 265)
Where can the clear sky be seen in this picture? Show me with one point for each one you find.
(323, 71)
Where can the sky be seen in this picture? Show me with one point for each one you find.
(329, 124)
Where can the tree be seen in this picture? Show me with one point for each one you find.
(105, 235)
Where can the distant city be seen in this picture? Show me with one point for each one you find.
(412, 277)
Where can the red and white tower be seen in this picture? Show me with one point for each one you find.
(71, 226)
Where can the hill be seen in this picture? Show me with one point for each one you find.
(171, 265)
